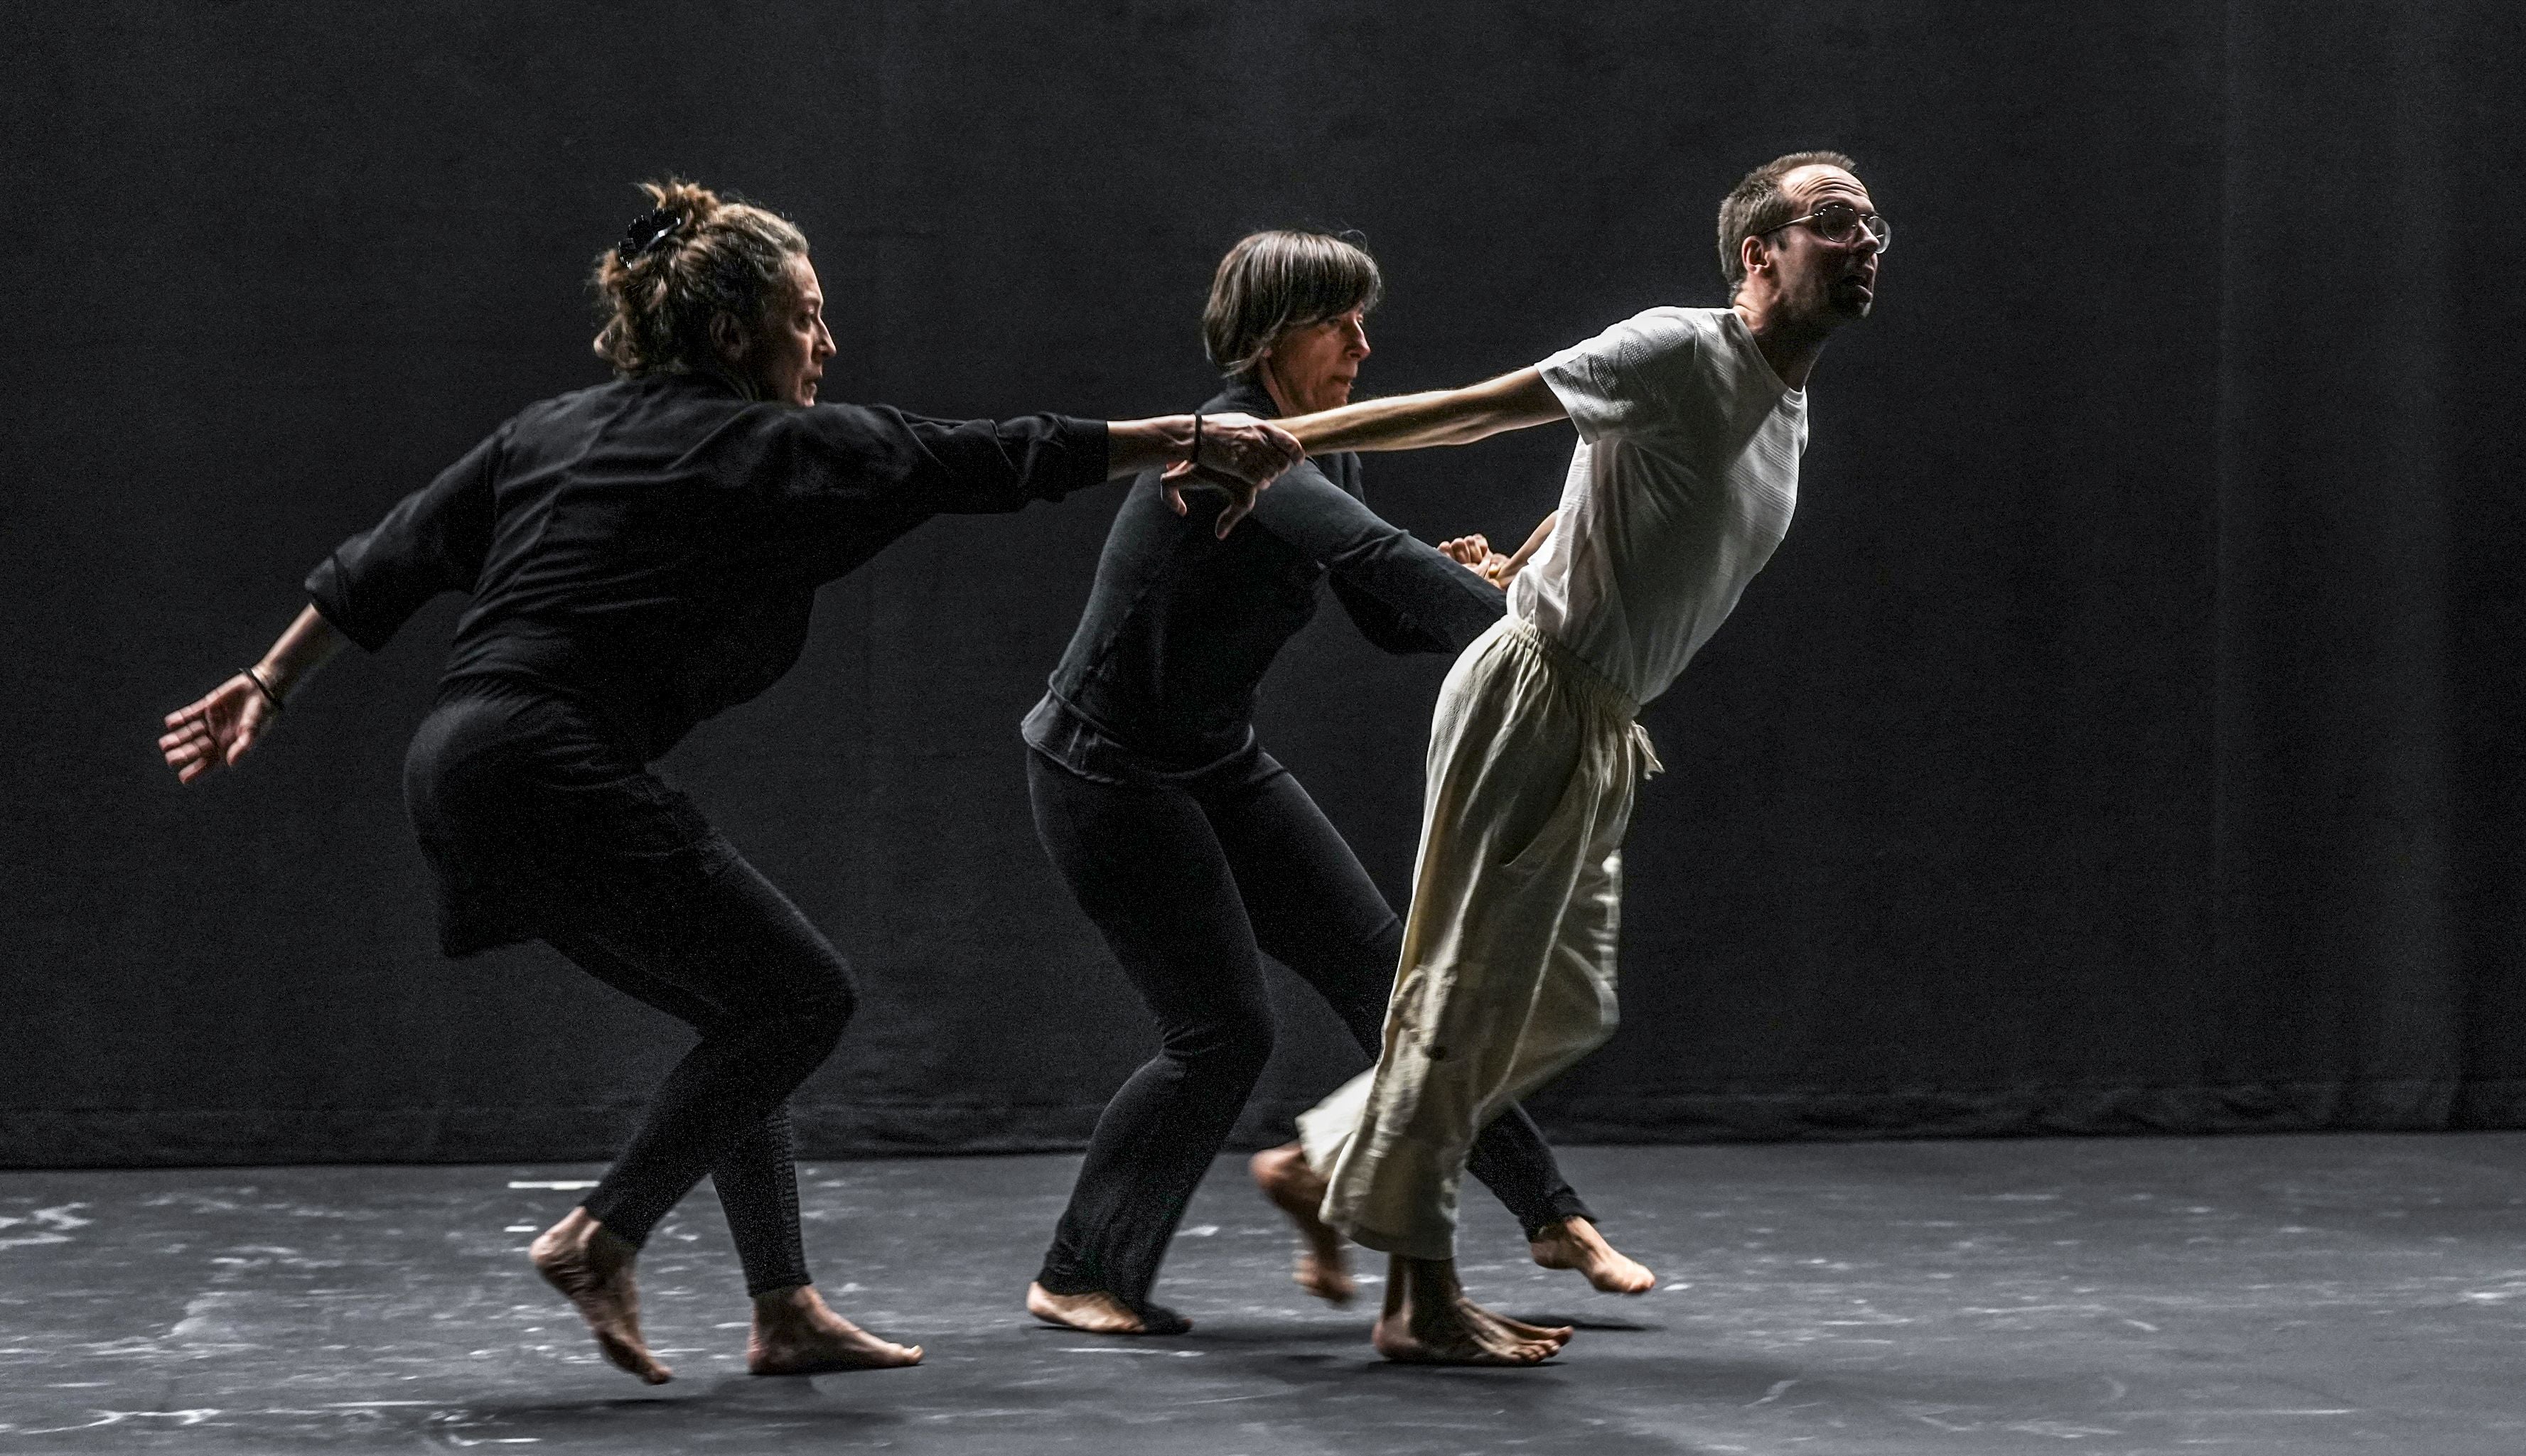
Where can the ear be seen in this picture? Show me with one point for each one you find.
(1753, 254)
(728, 337)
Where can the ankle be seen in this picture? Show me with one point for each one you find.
(570, 1237)
(785, 1306)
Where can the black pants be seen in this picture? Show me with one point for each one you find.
(539, 822)
(1193, 881)
(770, 997)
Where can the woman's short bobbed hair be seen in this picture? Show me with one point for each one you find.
(693, 256)
(1272, 283)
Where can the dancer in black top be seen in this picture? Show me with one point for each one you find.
(1194, 852)
(642, 555)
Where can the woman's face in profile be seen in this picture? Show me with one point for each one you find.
(786, 355)
(1311, 367)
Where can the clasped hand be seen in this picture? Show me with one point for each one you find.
(1238, 454)
(1474, 553)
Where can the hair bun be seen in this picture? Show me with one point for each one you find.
(690, 201)
(691, 256)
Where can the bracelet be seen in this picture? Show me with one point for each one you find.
(1195, 457)
(261, 686)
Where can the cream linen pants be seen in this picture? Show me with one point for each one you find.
(1507, 973)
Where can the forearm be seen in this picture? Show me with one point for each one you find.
(1135, 445)
(308, 643)
(1533, 542)
(1441, 417)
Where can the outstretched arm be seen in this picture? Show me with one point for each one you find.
(1440, 417)
(216, 729)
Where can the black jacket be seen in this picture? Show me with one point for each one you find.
(653, 546)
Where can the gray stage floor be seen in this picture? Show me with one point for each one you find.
(2252, 1294)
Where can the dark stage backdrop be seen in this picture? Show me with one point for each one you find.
(2124, 739)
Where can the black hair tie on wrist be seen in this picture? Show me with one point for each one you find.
(261, 686)
(646, 232)
(1194, 458)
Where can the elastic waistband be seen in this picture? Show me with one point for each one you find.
(1572, 670)
(1573, 674)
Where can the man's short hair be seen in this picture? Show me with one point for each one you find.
(1757, 205)
(1272, 283)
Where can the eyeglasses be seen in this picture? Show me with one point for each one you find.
(1840, 224)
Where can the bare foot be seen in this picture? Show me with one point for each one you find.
(1100, 1313)
(1429, 1320)
(1299, 1190)
(1575, 1244)
(795, 1334)
(581, 1259)
(1518, 1331)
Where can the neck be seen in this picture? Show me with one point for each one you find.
(1789, 344)
(1271, 383)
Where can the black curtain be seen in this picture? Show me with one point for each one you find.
(2123, 739)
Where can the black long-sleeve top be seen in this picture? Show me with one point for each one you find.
(653, 545)
(1163, 669)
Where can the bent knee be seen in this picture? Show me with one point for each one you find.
(1233, 1051)
(827, 1008)
(815, 1013)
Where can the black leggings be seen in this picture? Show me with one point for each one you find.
(1193, 881)
(770, 997)
(539, 821)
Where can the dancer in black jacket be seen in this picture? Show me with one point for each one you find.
(640, 556)
(1193, 851)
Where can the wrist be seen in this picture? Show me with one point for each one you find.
(269, 682)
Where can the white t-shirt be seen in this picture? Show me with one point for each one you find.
(1683, 483)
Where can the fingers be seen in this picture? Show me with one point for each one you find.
(191, 758)
(1171, 485)
(214, 730)
(1241, 500)
(184, 745)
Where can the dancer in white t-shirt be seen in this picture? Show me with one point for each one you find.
(1691, 422)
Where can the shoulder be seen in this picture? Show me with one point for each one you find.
(1652, 336)
(559, 408)
(1668, 321)
(849, 429)
(1668, 335)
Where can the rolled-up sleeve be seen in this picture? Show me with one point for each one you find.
(433, 541)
